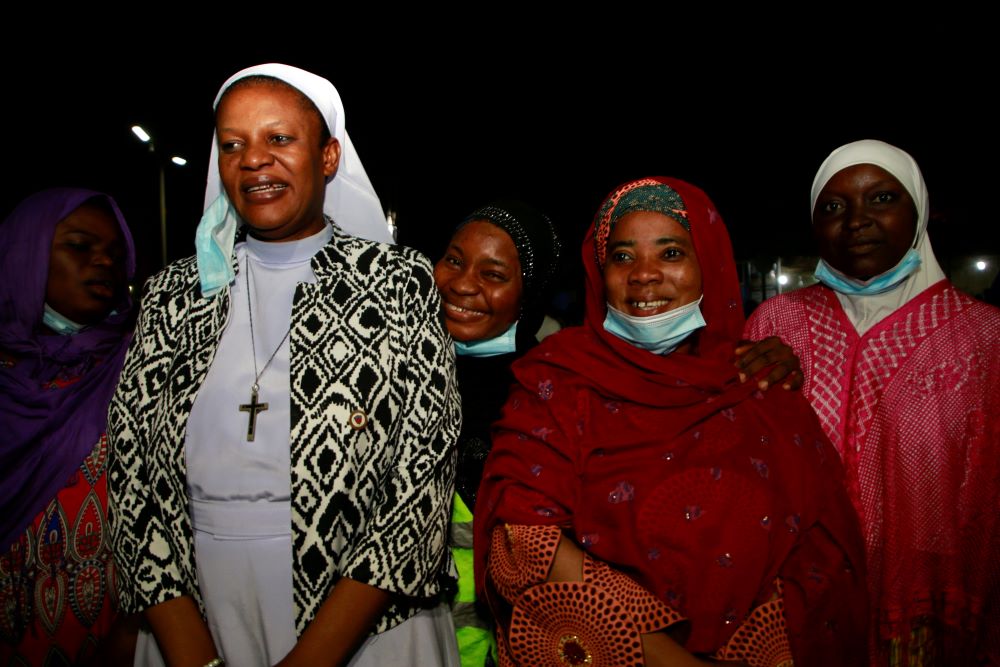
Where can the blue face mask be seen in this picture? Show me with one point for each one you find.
(213, 242)
(883, 282)
(61, 324)
(491, 347)
(660, 334)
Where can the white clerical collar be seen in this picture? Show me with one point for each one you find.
(288, 252)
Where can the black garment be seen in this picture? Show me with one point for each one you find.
(483, 383)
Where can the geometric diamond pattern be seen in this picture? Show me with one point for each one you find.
(369, 503)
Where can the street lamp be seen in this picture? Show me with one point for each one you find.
(141, 133)
(390, 222)
(146, 138)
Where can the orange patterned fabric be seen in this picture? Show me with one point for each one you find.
(504, 655)
(762, 639)
(572, 623)
(521, 557)
(597, 621)
(647, 611)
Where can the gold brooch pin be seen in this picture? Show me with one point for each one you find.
(358, 420)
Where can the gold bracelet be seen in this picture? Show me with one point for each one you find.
(215, 662)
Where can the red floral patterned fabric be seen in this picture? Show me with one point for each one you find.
(57, 581)
(702, 489)
(911, 408)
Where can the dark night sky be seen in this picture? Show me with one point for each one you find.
(442, 127)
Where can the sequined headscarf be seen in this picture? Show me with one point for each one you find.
(645, 194)
(538, 251)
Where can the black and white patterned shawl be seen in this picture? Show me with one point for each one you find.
(370, 504)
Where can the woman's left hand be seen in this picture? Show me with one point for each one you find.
(753, 357)
(340, 626)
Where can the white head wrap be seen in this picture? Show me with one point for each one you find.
(866, 311)
(350, 198)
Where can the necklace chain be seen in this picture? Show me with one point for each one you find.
(253, 346)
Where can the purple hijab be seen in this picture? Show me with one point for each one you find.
(47, 432)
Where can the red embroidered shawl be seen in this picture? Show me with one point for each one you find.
(703, 489)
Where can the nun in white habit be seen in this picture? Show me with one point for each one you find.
(283, 433)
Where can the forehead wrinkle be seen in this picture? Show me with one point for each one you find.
(76, 225)
(621, 243)
(664, 240)
(495, 261)
(847, 192)
(76, 229)
(887, 184)
(268, 124)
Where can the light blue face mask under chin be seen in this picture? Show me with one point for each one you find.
(59, 323)
(839, 282)
(214, 242)
(491, 347)
(660, 334)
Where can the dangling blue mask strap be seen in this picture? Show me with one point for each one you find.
(491, 347)
(883, 282)
(214, 242)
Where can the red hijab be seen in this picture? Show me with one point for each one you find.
(702, 488)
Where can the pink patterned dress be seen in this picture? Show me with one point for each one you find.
(912, 408)
(57, 581)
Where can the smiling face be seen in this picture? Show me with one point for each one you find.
(864, 221)
(651, 265)
(272, 161)
(87, 265)
(480, 282)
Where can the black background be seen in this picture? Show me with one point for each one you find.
(444, 121)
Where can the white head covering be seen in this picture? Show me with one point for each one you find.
(866, 311)
(350, 198)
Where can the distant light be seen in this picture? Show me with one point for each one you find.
(141, 133)
(178, 160)
(782, 279)
(981, 265)
(390, 222)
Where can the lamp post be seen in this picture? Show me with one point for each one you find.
(145, 138)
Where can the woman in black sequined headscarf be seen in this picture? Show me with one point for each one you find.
(494, 280)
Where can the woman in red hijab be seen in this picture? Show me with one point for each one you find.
(643, 506)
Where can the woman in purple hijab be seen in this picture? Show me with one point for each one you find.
(66, 256)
